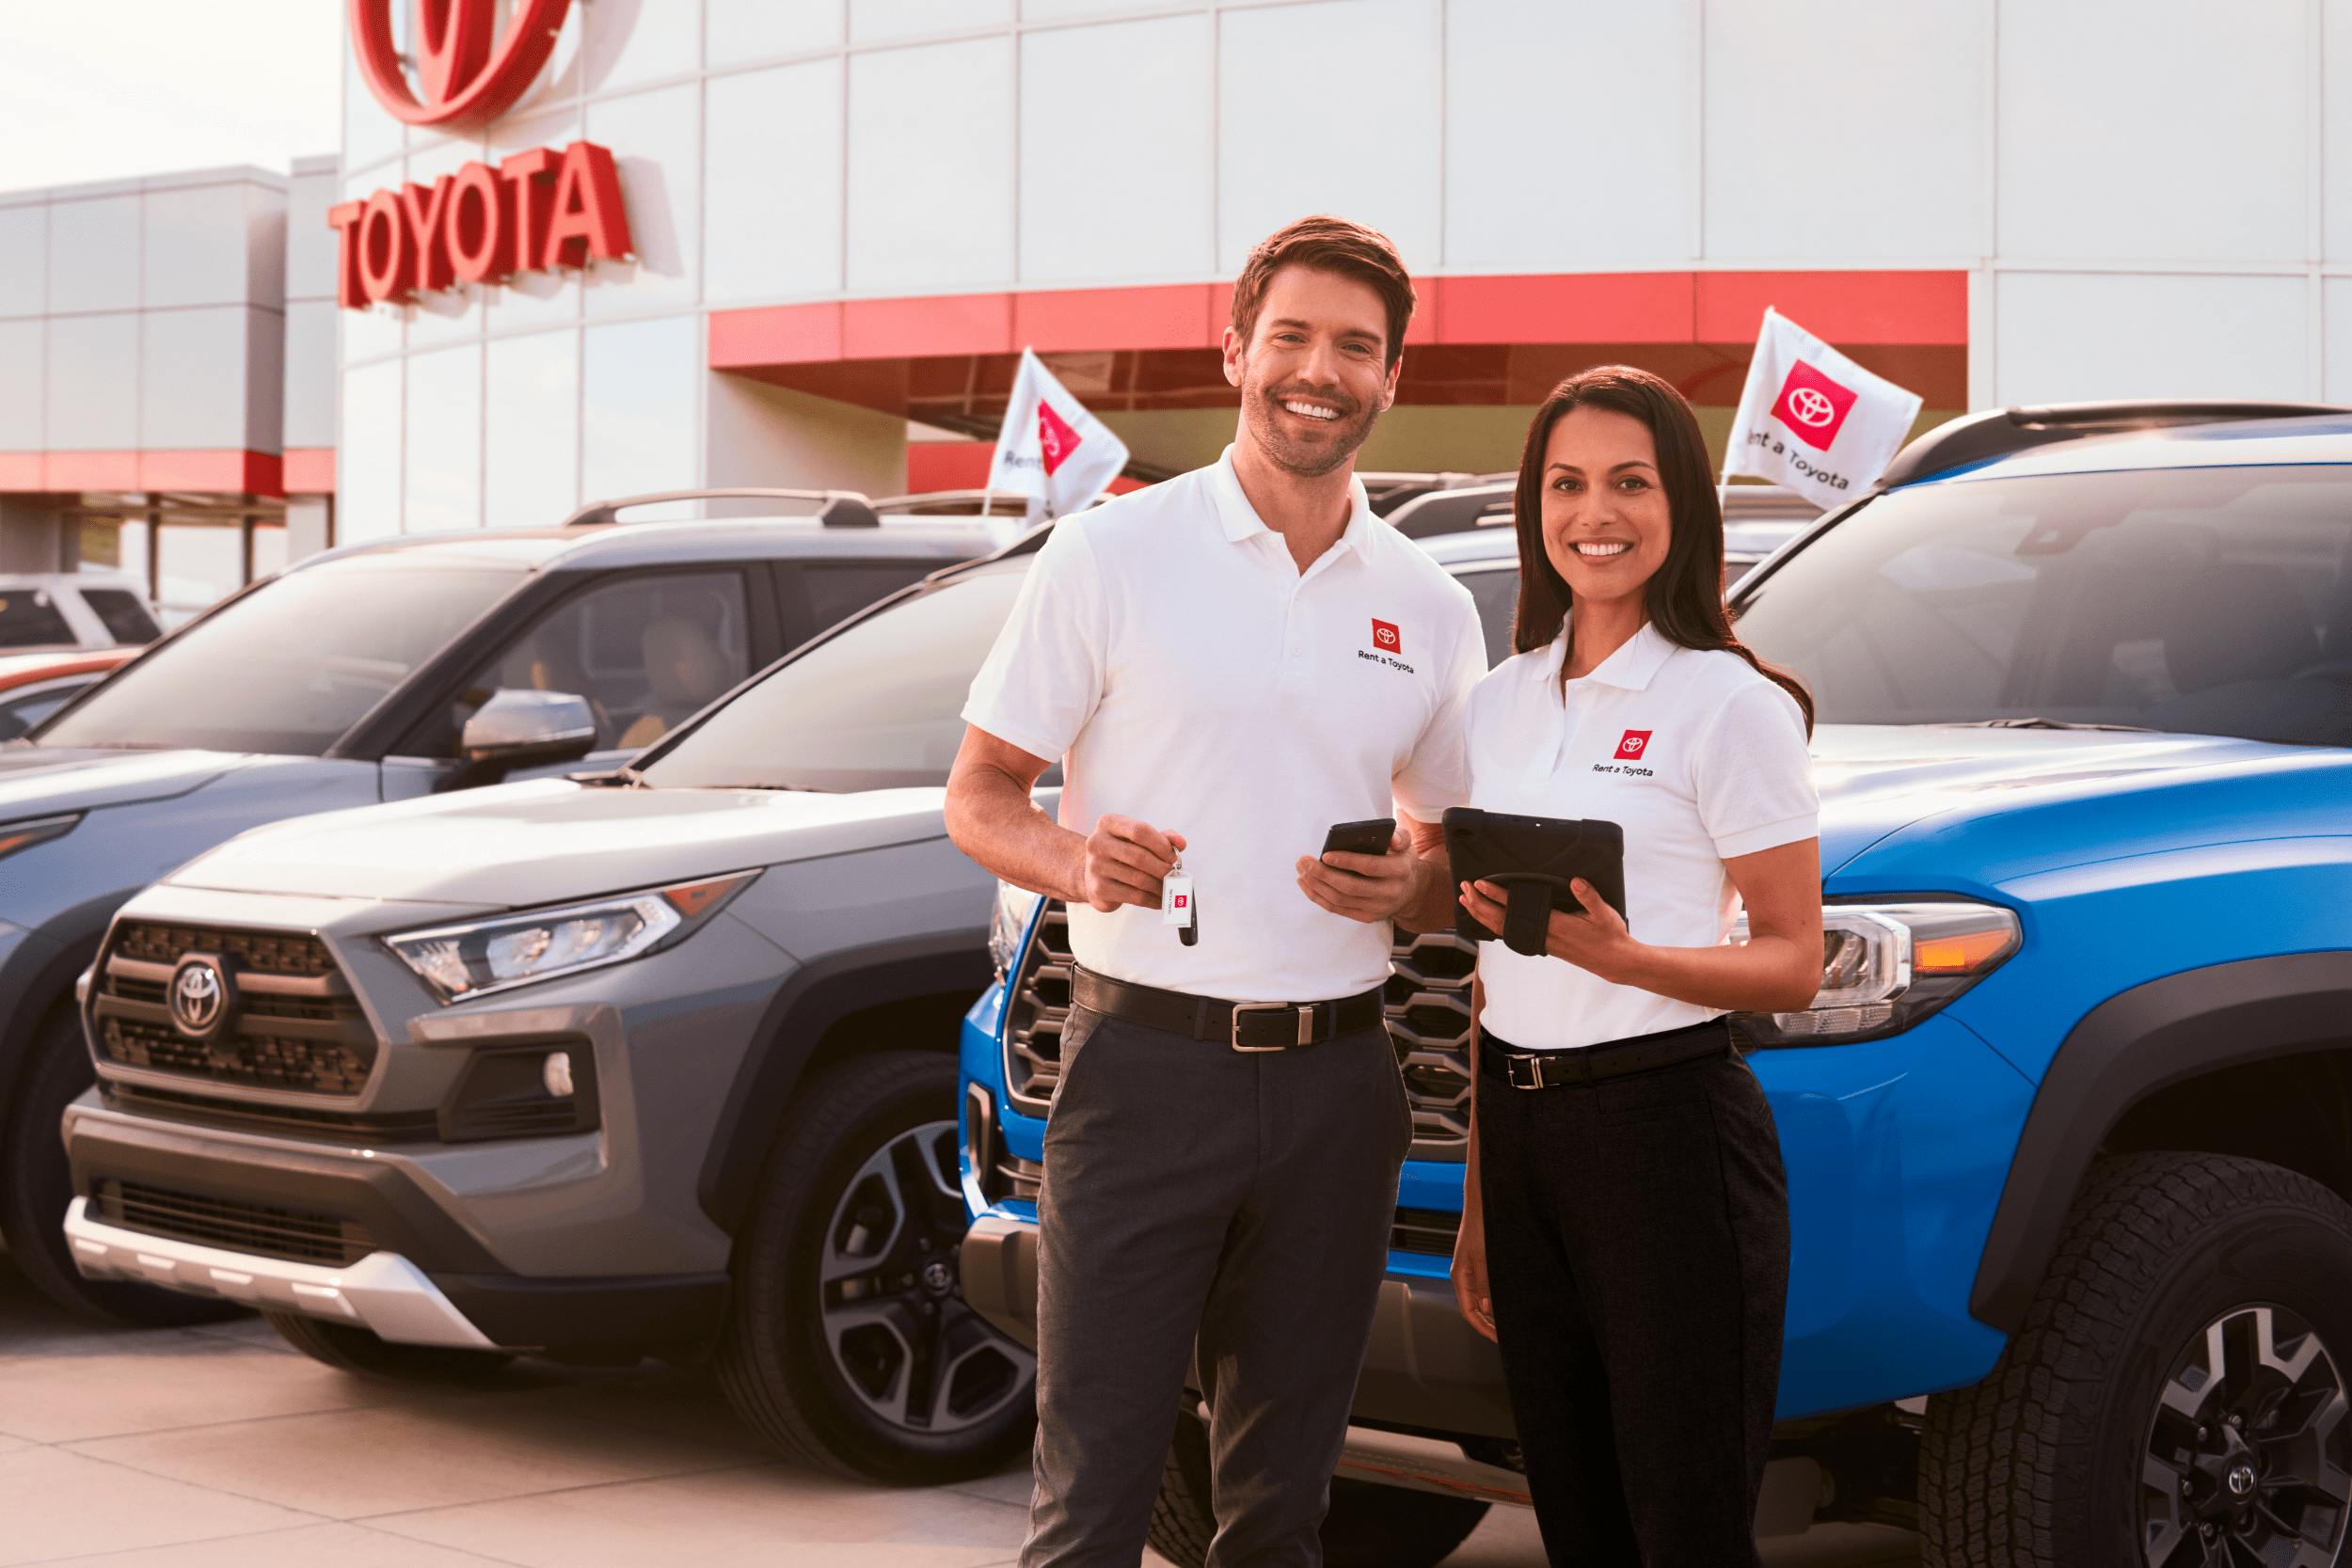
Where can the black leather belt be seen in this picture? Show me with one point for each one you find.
(1242, 1025)
(1591, 1064)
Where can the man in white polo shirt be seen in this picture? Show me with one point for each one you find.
(1228, 664)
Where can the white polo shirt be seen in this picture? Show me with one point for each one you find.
(1694, 753)
(1168, 648)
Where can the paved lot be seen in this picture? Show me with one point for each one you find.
(197, 1448)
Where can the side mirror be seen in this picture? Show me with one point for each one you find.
(523, 729)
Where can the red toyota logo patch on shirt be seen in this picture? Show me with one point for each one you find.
(1633, 745)
(1384, 637)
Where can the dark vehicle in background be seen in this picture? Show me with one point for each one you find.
(381, 672)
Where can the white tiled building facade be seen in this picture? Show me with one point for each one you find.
(850, 214)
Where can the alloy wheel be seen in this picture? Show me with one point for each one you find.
(2248, 1460)
(894, 1316)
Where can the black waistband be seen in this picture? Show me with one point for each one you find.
(1592, 1064)
(1243, 1025)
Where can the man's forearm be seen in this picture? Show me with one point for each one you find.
(996, 821)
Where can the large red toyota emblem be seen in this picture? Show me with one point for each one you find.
(470, 72)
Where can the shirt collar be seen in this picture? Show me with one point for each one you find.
(1241, 521)
(1632, 668)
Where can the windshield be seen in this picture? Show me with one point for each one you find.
(2206, 601)
(289, 667)
(879, 706)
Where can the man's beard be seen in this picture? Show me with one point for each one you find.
(1262, 406)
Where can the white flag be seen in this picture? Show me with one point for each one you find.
(1050, 447)
(1813, 419)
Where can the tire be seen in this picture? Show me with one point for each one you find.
(2066, 1453)
(350, 1349)
(37, 1188)
(1369, 1526)
(848, 1345)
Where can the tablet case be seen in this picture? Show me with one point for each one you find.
(1533, 859)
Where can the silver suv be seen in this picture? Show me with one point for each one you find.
(660, 1063)
(407, 669)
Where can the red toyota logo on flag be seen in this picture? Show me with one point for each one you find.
(1633, 745)
(470, 71)
(1384, 636)
(1812, 405)
(1055, 440)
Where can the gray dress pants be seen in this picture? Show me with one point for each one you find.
(1196, 1192)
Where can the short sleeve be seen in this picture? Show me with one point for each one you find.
(1044, 678)
(1752, 775)
(1436, 774)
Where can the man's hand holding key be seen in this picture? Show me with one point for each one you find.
(1125, 861)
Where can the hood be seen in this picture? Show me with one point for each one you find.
(1888, 789)
(550, 840)
(42, 781)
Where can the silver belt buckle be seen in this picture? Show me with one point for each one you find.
(1306, 1024)
(1510, 1065)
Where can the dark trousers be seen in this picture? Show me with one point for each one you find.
(1637, 1251)
(1193, 1191)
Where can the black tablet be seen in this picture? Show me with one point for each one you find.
(1534, 859)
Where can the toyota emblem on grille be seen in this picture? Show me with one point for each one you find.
(200, 993)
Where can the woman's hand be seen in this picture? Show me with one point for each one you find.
(1470, 1274)
(1596, 941)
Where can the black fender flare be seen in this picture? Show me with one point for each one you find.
(44, 969)
(817, 996)
(2124, 1050)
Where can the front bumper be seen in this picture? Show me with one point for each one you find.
(383, 1293)
(425, 1277)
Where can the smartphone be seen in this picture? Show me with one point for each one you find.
(1361, 838)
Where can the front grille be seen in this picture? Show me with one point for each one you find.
(1428, 1009)
(296, 1024)
(259, 1228)
(1429, 1231)
(296, 953)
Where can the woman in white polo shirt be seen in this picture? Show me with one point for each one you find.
(1624, 1234)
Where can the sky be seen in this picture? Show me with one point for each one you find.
(105, 89)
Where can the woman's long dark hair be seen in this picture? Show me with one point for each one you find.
(1685, 595)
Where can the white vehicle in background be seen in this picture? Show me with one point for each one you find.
(73, 610)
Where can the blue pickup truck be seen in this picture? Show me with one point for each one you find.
(2069, 1125)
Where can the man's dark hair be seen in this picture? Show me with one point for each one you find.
(1328, 245)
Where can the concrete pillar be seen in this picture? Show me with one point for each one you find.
(307, 525)
(762, 434)
(33, 537)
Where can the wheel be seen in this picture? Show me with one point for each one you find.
(2177, 1395)
(1369, 1526)
(37, 1188)
(351, 1349)
(848, 1344)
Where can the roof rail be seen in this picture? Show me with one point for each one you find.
(1998, 432)
(955, 503)
(835, 508)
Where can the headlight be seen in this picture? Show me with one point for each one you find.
(24, 836)
(1886, 966)
(1009, 923)
(481, 957)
